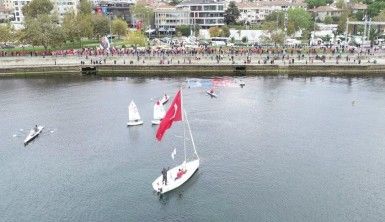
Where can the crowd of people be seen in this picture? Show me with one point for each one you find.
(180, 54)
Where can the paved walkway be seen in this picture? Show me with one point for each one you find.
(347, 59)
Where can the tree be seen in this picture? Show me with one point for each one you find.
(136, 38)
(342, 22)
(43, 30)
(143, 13)
(85, 25)
(328, 20)
(225, 31)
(278, 17)
(37, 7)
(231, 14)
(375, 8)
(175, 2)
(299, 19)
(71, 27)
(244, 39)
(119, 27)
(315, 3)
(5, 33)
(373, 35)
(184, 30)
(341, 4)
(85, 7)
(219, 32)
(101, 25)
(380, 17)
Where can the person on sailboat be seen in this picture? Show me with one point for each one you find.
(211, 91)
(179, 174)
(164, 173)
(35, 128)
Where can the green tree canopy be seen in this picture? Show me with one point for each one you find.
(316, 3)
(44, 30)
(143, 13)
(231, 14)
(101, 25)
(71, 27)
(85, 7)
(37, 7)
(119, 27)
(5, 33)
(184, 30)
(136, 38)
(299, 18)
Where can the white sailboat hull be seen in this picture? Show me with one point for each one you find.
(156, 121)
(32, 135)
(172, 182)
(211, 94)
(134, 123)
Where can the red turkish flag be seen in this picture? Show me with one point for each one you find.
(174, 113)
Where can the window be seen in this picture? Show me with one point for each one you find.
(16, 3)
(18, 19)
(17, 14)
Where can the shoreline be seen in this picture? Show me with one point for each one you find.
(192, 70)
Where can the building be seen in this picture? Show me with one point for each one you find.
(5, 14)
(204, 13)
(8, 4)
(322, 12)
(64, 6)
(167, 18)
(60, 6)
(358, 7)
(254, 12)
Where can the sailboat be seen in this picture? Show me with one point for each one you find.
(211, 93)
(178, 175)
(133, 115)
(164, 99)
(159, 113)
(34, 132)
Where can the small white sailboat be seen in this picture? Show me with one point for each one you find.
(133, 115)
(33, 133)
(159, 113)
(211, 93)
(178, 175)
(164, 99)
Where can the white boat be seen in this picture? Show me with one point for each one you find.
(211, 93)
(33, 133)
(188, 167)
(164, 99)
(133, 115)
(159, 113)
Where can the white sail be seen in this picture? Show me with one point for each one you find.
(133, 113)
(159, 111)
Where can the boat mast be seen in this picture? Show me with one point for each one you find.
(184, 127)
(192, 139)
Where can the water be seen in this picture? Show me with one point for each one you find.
(277, 150)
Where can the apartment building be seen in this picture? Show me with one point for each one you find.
(205, 13)
(167, 18)
(254, 12)
(60, 6)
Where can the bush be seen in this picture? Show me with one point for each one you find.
(184, 30)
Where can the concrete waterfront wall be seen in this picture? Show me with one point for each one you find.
(44, 71)
(197, 70)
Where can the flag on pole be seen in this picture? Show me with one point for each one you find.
(173, 114)
(173, 154)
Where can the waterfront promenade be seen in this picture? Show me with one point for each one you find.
(358, 63)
